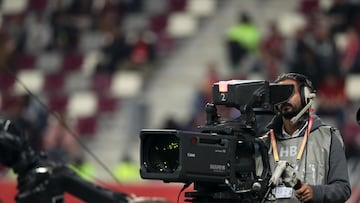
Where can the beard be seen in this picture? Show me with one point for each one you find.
(288, 111)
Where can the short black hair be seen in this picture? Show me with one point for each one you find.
(299, 78)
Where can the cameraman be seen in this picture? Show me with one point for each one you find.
(313, 149)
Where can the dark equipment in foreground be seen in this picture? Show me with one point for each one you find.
(40, 180)
(220, 159)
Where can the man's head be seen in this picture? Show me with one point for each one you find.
(303, 93)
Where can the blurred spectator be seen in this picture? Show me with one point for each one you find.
(273, 42)
(351, 135)
(37, 117)
(38, 34)
(61, 146)
(135, 51)
(107, 24)
(127, 170)
(204, 92)
(332, 99)
(7, 47)
(350, 61)
(305, 59)
(326, 52)
(142, 53)
(116, 52)
(242, 38)
(340, 15)
(14, 27)
(272, 52)
(60, 143)
(65, 32)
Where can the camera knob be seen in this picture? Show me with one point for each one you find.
(256, 186)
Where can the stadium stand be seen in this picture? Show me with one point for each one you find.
(24, 61)
(201, 8)
(53, 82)
(352, 85)
(81, 104)
(7, 81)
(29, 79)
(87, 68)
(126, 84)
(49, 62)
(181, 24)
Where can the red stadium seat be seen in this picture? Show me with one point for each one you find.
(101, 83)
(158, 23)
(177, 5)
(37, 5)
(72, 61)
(7, 81)
(23, 61)
(86, 126)
(58, 103)
(106, 104)
(8, 100)
(54, 82)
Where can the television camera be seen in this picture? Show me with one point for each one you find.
(226, 159)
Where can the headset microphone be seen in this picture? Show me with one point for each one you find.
(303, 110)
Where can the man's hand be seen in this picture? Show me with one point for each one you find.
(304, 193)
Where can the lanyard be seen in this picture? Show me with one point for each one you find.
(303, 143)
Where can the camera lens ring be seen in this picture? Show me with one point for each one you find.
(161, 153)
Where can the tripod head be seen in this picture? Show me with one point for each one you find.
(15, 150)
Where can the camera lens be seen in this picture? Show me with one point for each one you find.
(162, 153)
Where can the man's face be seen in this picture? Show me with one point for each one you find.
(292, 107)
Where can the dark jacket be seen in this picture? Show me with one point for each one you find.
(334, 187)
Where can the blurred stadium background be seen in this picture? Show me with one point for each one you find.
(112, 67)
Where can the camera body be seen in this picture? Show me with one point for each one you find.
(223, 157)
(188, 159)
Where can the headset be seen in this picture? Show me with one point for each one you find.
(306, 89)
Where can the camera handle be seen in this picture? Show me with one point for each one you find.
(211, 114)
(284, 173)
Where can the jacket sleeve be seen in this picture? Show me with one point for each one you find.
(337, 189)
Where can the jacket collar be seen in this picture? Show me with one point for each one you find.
(277, 123)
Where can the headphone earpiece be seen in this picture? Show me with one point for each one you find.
(307, 93)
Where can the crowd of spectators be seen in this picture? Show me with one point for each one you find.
(58, 26)
(315, 50)
(61, 27)
(312, 49)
